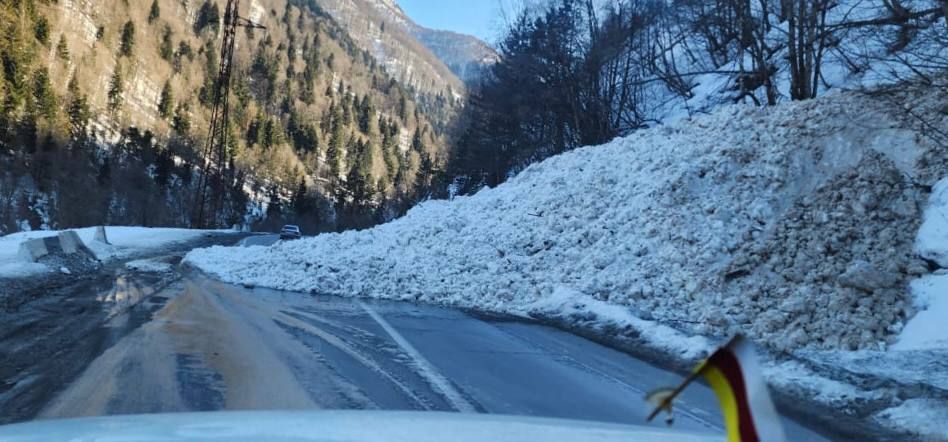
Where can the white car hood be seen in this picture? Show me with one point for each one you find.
(336, 426)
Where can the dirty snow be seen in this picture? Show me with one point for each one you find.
(149, 266)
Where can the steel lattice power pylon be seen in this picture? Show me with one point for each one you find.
(215, 171)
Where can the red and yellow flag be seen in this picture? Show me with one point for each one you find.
(736, 378)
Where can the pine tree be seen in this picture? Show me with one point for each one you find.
(41, 30)
(418, 142)
(62, 50)
(301, 203)
(366, 115)
(155, 12)
(116, 89)
(166, 47)
(336, 140)
(208, 15)
(390, 153)
(182, 118)
(402, 108)
(272, 133)
(166, 101)
(78, 112)
(43, 93)
(275, 207)
(128, 39)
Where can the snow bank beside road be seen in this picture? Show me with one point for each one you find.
(125, 242)
(792, 224)
(928, 329)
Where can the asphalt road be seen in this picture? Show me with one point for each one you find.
(260, 240)
(166, 344)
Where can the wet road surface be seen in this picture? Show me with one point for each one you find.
(166, 344)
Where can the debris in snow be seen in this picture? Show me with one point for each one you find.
(149, 266)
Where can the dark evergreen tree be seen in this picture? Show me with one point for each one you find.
(128, 39)
(208, 16)
(182, 118)
(166, 46)
(166, 101)
(154, 12)
(366, 115)
(62, 50)
(78, 112)
(41, 30)
(116, 89)
(44, 95)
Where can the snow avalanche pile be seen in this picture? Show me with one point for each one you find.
(794, 224)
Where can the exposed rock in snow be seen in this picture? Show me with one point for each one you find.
(792, 224)
(866, 277)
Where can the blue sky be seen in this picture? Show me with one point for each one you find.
(481, 18)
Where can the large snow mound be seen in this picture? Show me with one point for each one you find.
(793, 224)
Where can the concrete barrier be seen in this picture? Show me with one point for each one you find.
(100, 235)
(32, 249)
(65, 243)
(71, 243)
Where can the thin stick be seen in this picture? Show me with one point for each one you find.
(667, 401)
(691, 378)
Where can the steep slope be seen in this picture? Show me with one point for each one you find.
(468, 57)
(376, 28)
(432, 60)
(318, 127)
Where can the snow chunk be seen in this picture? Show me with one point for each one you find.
(925, 418)
(565, 302)
(928, 329)
(932, 241)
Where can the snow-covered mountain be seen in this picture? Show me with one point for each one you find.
(432, 60)
(465, 55)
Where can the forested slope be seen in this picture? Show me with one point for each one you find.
(106, 102)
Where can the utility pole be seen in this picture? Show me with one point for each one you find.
(215, 173)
